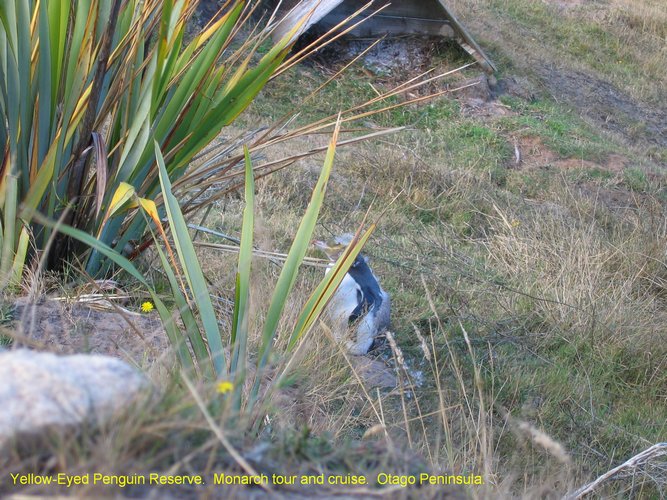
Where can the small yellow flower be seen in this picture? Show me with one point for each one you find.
(516, 223)
(224, 387)
(147, 307)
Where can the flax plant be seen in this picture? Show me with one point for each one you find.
(86, 86)
(104, 105)
(199, 343)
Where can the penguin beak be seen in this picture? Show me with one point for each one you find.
(321, 245)
(332, 252)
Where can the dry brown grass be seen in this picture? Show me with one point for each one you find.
(600, 271)
(594, 272)
(648, 17)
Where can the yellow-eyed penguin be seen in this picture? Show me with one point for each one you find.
(360, 306)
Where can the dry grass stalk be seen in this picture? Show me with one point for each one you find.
(422, 343)
(376, 410)
(629, 467)
(541, 438)
(398, 354)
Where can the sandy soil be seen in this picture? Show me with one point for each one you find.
(75, 328)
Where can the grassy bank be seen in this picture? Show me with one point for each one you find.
(522, 240)
(536, 230)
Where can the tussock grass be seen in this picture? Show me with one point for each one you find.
(647, 18)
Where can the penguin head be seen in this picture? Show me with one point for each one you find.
(334, 248)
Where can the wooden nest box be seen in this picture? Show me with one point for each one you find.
(401, 17)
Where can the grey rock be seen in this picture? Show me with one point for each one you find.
(475, 89)
(41, 391)
(373, 372)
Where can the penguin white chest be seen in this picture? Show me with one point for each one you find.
(345, 301)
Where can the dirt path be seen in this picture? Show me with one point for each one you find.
(584, 54)
(606, 106)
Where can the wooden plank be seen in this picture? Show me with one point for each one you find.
(380, 25)
(466, 38)
(424, 9)
(428, 17)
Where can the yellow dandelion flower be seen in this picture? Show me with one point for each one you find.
(516, 223)
(147, 307)
(224, 386)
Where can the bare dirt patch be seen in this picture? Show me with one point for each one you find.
(409, 55)
(533, 153)
(478, 99)
(484, 109)
(396, 55)
(74, 328)
(567, 4)
(573, 163)
(615, 199)
(610, 108)
(616, 163)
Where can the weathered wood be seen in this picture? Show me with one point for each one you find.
(390, 25)
(466, 38)
(306, 12)
(421, 9)
(427, 17)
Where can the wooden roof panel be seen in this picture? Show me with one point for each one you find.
(428, 17)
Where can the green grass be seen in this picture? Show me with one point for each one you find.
(556, 292)
(591, 36)
(6, 320)
(580, 393)
(635, 179)
(563, 368)
(561, 130)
